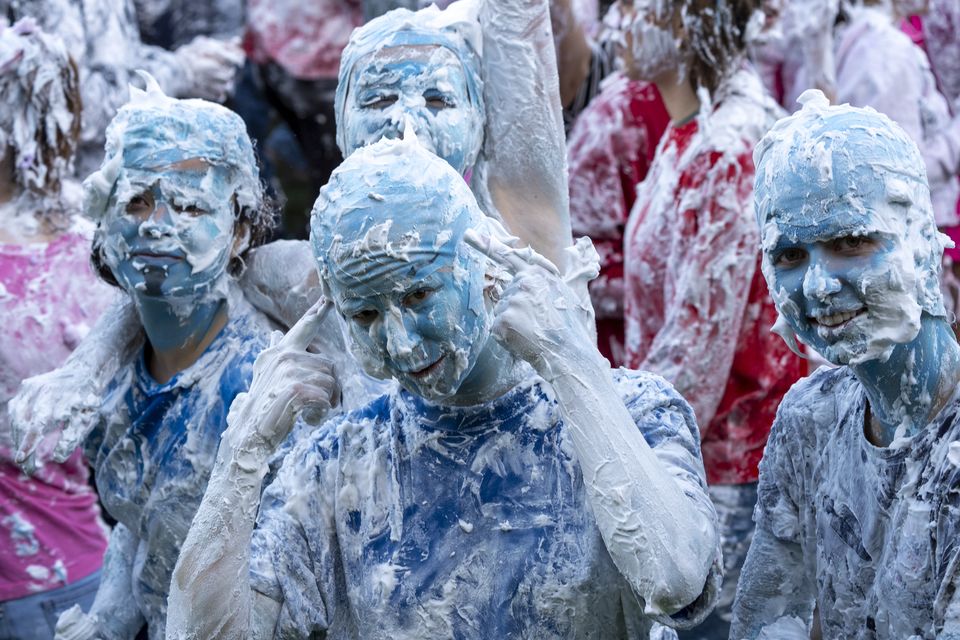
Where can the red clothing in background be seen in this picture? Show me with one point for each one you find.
(609, 151)
(304, 38)
(696, 305)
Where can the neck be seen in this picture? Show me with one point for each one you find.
(494, 374)
(177, 333)
(907, 391)
(678, 94)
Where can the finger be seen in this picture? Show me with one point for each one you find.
(27, 448)
(305, 330)
(512, 259)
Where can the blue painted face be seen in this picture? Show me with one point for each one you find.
(170, 231)
(423, 84)
(417, 316)
(843, 276)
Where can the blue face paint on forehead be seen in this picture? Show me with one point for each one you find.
(387, 232)
(454, 30)
(154, 131)
(830, 179)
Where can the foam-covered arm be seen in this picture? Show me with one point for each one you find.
(776, 590)
(524, 154)
(53, 412)
(114, 614)
(651, 509)
(216, 552)
(773, 590)
(663, 542)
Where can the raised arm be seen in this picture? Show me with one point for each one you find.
(216, 552)
(652, 510)
(54, 412)
(524, 154)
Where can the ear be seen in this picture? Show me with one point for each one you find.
(241, 239)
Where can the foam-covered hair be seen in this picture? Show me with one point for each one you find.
(456, 28)
(40, 114)
(154, 130)
(392, 200)
(824, 162)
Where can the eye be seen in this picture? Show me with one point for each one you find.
(139, 205)
(436, 100)
(378, 102)
(789, 257)
(416, 297)
(853, 245)
(192, 211)
(364, 317)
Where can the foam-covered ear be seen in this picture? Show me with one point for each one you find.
(241, 239)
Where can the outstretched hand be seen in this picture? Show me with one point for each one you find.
(52, 414)
(539, 318)
(287, 381)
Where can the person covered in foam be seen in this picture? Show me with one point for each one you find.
(498, 117)
(178, 202)
(511, 485)
(52, 538)
(859, 485)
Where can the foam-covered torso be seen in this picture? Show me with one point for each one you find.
(156, 444)
(408, 519)
(880, 543)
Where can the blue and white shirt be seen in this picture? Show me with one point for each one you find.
(410, 520)
(157, 443)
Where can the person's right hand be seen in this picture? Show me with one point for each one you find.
(287, 380)
(52, 414)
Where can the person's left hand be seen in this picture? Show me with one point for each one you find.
(538, 317)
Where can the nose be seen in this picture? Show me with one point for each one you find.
(819, 283)
(400, 342)
(159, 223)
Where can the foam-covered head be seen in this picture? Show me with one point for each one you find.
(387, 232)
(851, 252)
(420, 66)
(178, 177)
(40, 111)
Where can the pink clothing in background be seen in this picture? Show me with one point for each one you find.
(50, 528)
(696, 305)
(304, 38)
(881, 67)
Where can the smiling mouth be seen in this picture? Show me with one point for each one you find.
(427, 370)
(836, 320)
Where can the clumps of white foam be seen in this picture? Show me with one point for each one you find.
(39, 117)
(848, 156)
(152, 130)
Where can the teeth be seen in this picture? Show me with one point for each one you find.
(837, 318)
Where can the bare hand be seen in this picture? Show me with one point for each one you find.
(287, 380)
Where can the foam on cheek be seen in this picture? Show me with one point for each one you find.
(454, 132)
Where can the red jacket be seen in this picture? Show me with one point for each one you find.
(609, 151)
(696, 306)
